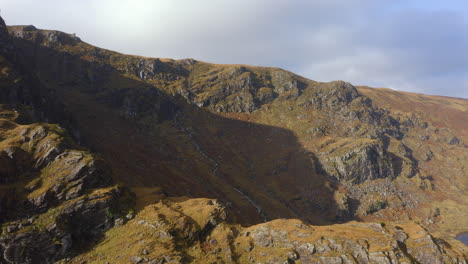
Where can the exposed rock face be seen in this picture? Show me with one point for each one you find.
(73, 173)
(237, 89)
(391, 245)
(234, 89)
(51, 37)
(45, 240)
(181, 231)
(367, 161)
(52, 198)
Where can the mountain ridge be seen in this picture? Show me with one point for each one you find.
(267, 143)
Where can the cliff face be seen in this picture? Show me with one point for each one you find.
(265, 142)
(54, 195)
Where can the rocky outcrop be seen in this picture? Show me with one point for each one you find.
(155, 69)
(238, 89)
(391, 245)
(357, 162)
(73, 173)
(51, 236)
(50, 38)
(341, 102)
(52, 198)
(178, 230)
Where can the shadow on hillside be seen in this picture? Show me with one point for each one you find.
(154, 140)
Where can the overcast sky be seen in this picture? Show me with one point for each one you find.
(413, 45)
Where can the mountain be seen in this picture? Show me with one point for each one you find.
(112, 158)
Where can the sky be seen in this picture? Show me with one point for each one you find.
(412, 45)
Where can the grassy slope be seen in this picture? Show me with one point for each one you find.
(441, 111)
(448, 168)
